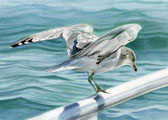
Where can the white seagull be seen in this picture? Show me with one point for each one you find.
(89, 53)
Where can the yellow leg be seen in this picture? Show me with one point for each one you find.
(90, 81)
(97, 89)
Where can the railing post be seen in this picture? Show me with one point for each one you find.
(91, 105)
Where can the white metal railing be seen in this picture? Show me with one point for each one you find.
(87, 108)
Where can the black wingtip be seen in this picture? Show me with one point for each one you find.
(14, 45)
(22, 41)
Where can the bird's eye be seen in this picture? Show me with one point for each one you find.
(125, 54)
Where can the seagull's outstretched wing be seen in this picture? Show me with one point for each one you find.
(76, 37)
(109, 43)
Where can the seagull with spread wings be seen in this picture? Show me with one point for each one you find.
(89, 53)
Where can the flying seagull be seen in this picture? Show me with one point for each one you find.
(88, 52)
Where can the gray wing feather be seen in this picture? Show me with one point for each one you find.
(41, 36)
(110, 42)
(80, 32)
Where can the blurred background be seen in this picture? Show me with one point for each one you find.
(26, 89)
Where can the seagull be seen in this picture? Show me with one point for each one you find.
(88, 52)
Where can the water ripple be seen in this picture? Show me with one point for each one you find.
(25, 86)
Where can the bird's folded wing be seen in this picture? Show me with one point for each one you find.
(82, 33)
(111, 42)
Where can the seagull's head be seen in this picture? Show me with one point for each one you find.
(128, 57)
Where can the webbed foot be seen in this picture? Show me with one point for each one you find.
(100, 90)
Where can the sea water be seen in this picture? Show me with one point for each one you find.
(27, 89)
